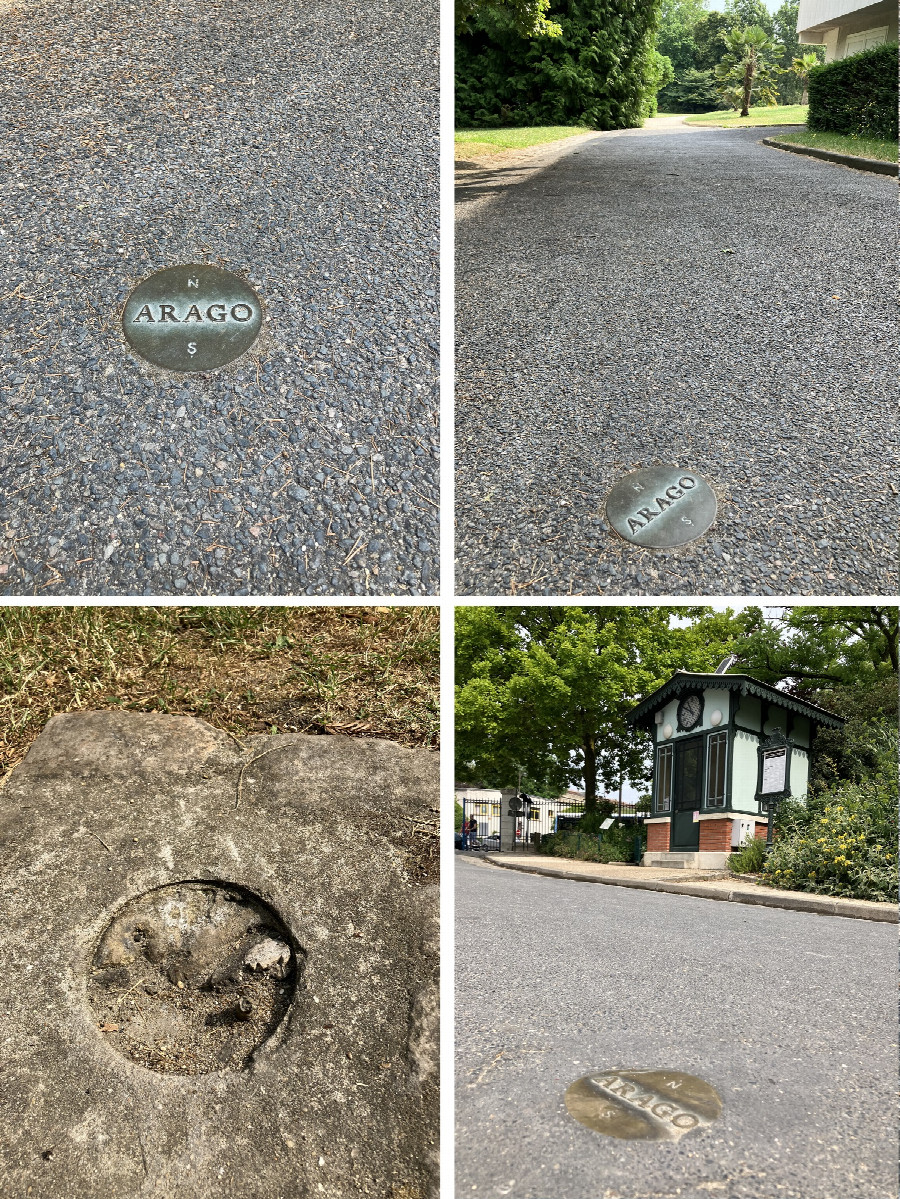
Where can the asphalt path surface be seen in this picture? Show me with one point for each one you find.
(791, 1017)
(295, 144)
(676, 295)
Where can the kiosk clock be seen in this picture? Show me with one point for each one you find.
(690, 709)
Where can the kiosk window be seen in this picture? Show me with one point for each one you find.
(664, 779)
(716, 758)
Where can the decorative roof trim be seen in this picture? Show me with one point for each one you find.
(745, 684)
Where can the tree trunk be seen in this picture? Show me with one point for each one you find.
(804, 99)
(748, 87)
(590, 774)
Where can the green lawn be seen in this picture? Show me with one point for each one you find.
(495, 141)
(864, 147)
(779, 114)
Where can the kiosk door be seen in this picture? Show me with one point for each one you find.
(688, 782)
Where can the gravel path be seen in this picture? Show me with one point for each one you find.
(686, 296)
(296, 145)
(790, 1016)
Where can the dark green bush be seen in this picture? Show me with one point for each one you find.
(601, 72)
(856, 96)
(617, 844)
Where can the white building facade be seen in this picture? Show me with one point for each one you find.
(845, 27)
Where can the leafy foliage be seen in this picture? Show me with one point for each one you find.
(856, 96)
(750, 858)
(842, 841)
(600, 71)
(527, 17)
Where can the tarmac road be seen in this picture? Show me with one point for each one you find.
(790, 1016)
(676, 295)
(294, 144)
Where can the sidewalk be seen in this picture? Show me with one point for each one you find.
(703, 885)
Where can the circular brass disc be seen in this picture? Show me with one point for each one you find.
(192, 318)
(643, 1105)
(661, 506)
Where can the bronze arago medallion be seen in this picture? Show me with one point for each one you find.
(661, 506)
(192, 318)
(643, 1105)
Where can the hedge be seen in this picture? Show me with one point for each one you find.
(856, 96)
(600, 72)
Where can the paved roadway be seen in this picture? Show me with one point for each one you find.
(294, 143)
(791, 1017)
(686, 296)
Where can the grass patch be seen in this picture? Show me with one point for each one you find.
(477, 142)
(778, 114)
(360, 671)
(863, 147)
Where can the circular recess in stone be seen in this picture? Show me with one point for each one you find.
(192, 318)
(661, 506)
(643, 1105)
(192, 977)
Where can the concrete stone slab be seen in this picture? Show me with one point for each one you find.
(287, 881)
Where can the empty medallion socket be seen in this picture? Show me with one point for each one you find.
(192, 977)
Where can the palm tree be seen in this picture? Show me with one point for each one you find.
(801, 67)
(747, 71)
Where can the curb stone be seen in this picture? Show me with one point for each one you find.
(858, 163)
(794, 901)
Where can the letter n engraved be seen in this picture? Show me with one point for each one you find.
(193, 281)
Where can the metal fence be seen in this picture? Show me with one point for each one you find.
(533, 818)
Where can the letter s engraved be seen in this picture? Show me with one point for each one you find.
(192, 348)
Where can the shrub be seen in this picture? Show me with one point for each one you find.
(617, 845)
(750, 858)
(841, 842)
(856, 96)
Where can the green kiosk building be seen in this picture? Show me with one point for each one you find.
(724, 747)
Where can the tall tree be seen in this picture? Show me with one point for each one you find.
(675, 35)
(747, 72)
(741, 13)
(814, 649)
(709, 45)
(549, 688)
